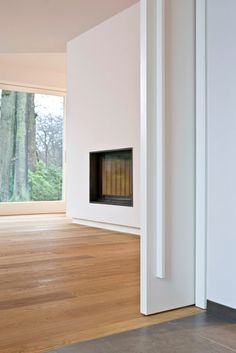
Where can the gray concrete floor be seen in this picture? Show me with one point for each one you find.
(202, 333)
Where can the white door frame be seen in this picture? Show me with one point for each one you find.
(201, 157)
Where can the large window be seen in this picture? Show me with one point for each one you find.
(31, 146)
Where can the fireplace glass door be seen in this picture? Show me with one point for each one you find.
(111, 177)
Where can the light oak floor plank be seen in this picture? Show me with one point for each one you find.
(62, 283)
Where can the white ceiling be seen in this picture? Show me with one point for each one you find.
(44, 26)
(51, 62)
(46, 70)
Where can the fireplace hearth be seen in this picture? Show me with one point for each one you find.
(111, 177)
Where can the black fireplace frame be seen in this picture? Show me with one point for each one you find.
(95, 179)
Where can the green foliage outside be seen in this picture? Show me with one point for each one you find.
(31, 147)
(45, 183)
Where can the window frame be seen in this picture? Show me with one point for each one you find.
(38, 207)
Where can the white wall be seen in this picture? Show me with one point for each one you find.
(221, 82)
(103, 110)
(44, 70)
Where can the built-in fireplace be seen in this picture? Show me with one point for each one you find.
(111, 177)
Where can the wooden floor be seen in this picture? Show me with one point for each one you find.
(62, 283)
